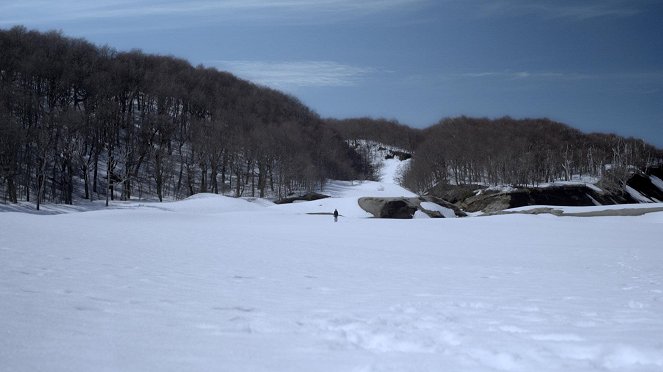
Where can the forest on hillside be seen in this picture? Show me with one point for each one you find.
(125, 124)
(387, 132)
(505, 151)
(83, 121)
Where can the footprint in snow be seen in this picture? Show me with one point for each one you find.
(240, 309)
(512, 329)
(559, 337)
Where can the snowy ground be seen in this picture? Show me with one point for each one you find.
(220, 284)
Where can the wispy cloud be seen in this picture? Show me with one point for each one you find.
(567, 9)
(296, 74)
(39, 11)
(652, 76)
(520, 75)
(650, 80)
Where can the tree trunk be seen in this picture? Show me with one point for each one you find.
(203, 178)
(224, 162)
(41, 182)
(126, 190)
(11, 189)
(109, 185)
(238, 181)
(69, 183)
(158, 177)
(214, 173)
(96, 171)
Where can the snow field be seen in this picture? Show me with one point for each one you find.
(219, 284)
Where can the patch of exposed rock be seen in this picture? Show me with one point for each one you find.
(642, 183)
(454, 193)
(311, 196)
(404, 208)
(475, 198)
(388, 207)
(441, 202)
(572, 195)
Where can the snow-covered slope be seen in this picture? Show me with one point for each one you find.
(344, 194)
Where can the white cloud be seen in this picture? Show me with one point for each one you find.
(652, 76)
(568, 9)
(649, 81)
(296, 74)
(39, 11)
(519, 75)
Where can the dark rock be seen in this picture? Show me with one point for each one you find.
(453, 193)
(306, 197)
(656, 171)
(643, 184)
(487, 201)
(397, 209)
(469, 199)
(559, 195)
(400, 155)
(404, 208)
(443, 203)
(571, 195)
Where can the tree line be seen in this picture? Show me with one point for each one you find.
(387, 132)
(87, 121)
(78, 117)
(506, 151)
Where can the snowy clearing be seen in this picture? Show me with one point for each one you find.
(213, 283)
(219, 284)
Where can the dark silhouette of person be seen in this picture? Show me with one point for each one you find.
(335, 215)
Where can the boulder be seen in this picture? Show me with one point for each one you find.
(306, 197)
(487, 201)
(404, 208)
(401, 209)
(443, 203)
(454, 193)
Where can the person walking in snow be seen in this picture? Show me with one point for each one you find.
(335, 215)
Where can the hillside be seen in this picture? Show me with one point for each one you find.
(79, 122)
(82, 121)
(550, 162)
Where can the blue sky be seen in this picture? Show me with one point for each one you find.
(596, 65)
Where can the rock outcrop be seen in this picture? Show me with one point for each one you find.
(474, 198)
(572, 195)
(402, 208)
(405, 208)
(644, 183)
(306, 197)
